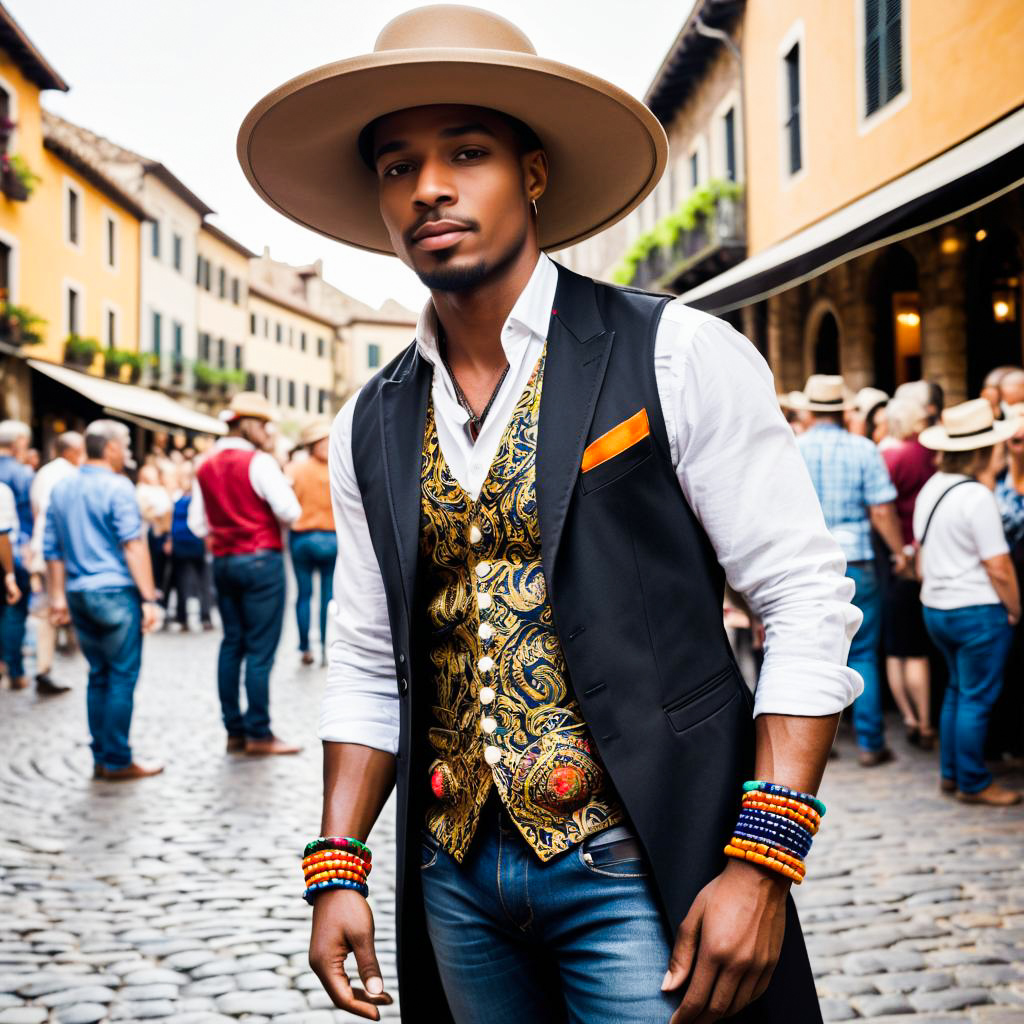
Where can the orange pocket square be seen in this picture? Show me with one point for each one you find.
(616, 440)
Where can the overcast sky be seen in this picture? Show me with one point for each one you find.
(173, 79)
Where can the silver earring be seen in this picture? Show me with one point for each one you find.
(533, 203)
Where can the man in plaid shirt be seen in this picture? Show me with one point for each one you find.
(856, 495)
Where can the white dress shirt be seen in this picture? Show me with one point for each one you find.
(43, 483)
(8, 510)
(266, 479)
(738, 468)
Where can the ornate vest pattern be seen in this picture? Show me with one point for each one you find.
(504, 713)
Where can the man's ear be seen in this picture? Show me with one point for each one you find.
(535, 173)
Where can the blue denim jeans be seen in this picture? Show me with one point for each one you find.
(109, 628)
(12, 626)
(517, 939)
(867, 708)
(250, 598)
(974, 641)
(313, 551)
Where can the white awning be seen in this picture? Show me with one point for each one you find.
(971, 174)
(128, 400)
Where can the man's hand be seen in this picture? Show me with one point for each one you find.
(11, 588)
(343, 924)
(150, 616)
(729, 943)
(59, 613)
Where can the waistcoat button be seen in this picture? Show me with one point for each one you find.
(484, 600)
(488, 725)
(486, 631)
(486, 695)
(475, 536)
(485, 664)
(492, 755)
(483, 569)
(403, 684)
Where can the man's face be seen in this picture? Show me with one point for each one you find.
(455, 192)
(119, 452)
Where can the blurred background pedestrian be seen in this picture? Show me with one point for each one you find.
(155, 508)
(188, 556)
(313, 543)
(15, 437)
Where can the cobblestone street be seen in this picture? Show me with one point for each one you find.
(178, 897)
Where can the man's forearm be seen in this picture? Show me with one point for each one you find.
(6, 554)
(357, 783)
(792, 750)
(885, 520)
(136, 556)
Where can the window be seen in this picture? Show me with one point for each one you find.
(111, 328)
(791, 122)
(154, 238)
(238, 357)
(291, 394)
(73, 214)
(222, 283)
(694, 169)
(278, 333)
(278, 389)
(883, 52)
(221, 354)
(6, 268)
(302, 341)
(236, 290)
(157, 324)
(252, 323)
(729, 140)
(74, 310)
(373, 355)
(199, 270)
(204, 347)
(177, 331)
(291, 337)
(320, 346)
(321, 404)
(266, 327)
(206, 274)
(111, 242)
(308, 394)
(176, 248)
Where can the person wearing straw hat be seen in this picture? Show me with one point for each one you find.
(536, 505)
(240, 501)
(968, 589)
(856, 495)
(312, 541)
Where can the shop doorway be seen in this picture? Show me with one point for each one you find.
(896, 304)
(994, 274)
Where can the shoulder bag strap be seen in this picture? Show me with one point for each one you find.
(935, 507)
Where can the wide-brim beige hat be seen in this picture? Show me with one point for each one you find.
(823, 393)
(315, 431)
(249, 405)
(967, 426)
(299, 145)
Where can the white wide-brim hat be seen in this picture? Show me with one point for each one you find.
(299, 146)
(823, 393)
(967, 426)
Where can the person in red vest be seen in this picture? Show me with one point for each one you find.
(241, 500)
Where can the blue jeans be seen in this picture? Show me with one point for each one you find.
(313, 551)
(867, 708)
(974, 641)
(12, 626)
(250, 597)
(109, 628)
(517, 939)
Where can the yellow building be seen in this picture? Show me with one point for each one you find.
(884, 208)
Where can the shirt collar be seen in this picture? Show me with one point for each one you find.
(530, 316)
(238, 443)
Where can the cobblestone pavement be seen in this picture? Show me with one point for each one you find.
(177, 898)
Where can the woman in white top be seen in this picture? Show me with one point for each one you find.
(969, 589)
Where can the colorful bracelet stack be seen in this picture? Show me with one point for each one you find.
(335, 862)
(775, 828)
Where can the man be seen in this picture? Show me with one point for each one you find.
(240, 501)
(991, 387)
(856, 496)
(14, 442)
(8, 525)
(1011, 390)
(535, 651)
(102, 582)
(69, 450)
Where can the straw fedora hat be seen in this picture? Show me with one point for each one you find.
(313, 432)
(869, 398)
(299, 145)
(248, 405)
(823, 393)
(967, 426)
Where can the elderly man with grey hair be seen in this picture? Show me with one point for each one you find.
(15, 437)
(102, 581)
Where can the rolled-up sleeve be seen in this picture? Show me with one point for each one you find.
(124, 512)
(360, 702)
(740, 470)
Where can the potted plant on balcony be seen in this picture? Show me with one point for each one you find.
(232, 381)
(19, 325)
(16, 177)
(205, 376)
(80, 351)
(116, 359)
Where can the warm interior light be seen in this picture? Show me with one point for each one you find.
(908, 319)
(950, 245)
(980, 235)
(1001, 310)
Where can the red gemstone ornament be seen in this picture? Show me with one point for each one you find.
(437, 784)
(566, 782)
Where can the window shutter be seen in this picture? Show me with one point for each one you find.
(893, 49)
(872, 55)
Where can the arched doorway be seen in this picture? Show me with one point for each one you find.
(826, 345)
(896, 301)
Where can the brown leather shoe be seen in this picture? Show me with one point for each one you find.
(269, 746)
(236, 745)
(98, 771)
(947, 785)
(993, 795)
(307, 658)
(873, 758)
(133, 771)
(19, 682)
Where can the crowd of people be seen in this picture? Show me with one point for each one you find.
(927, 504)
(104, 561)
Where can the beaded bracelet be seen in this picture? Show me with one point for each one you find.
(765, 835)
(770, 851)
(785, 812)
(774, 787)
(335, 862)
(335, 883)
(338, 843)
(785, 802)
(777, 824)
(767, 862)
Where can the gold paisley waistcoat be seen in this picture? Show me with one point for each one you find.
(503, 712)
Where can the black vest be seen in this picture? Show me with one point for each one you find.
(637, 596)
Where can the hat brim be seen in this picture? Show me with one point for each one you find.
(803, 404)
(230, 415)
(299, 145)
(937, 438)
(308, 442)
